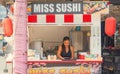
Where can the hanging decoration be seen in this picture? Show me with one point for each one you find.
(78, 28)
(110, 26)
(12, 8)
(8, 27)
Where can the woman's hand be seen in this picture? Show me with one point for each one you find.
(71, 58)
(62, 58)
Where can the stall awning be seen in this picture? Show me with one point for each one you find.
(60, 18)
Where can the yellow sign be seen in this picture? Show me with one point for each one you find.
(80, 70)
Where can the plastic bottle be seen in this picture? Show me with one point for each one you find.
(41, 53)
(55, 57)
(48, 57)
(52, 57)
(37, 56)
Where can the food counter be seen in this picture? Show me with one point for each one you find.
(64, 66)
(78, 66)
(64, 61)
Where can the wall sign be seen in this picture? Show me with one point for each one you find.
(96, 7)
(115, 2)
(57, 8)
(3, 12)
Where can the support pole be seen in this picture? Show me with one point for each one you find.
(20, 34)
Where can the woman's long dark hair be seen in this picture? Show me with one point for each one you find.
(64, 39)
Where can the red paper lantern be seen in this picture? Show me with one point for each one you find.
(12, 8)
(8, 27)
(110, 26)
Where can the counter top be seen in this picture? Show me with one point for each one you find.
(31, 60)
(63, 61)
(60, 61)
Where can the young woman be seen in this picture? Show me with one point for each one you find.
(65, 51)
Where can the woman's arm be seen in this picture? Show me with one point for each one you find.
(72, 52)
(59, 53)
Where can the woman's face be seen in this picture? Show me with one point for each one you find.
(66, 42)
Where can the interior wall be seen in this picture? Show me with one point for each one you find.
(48, 33)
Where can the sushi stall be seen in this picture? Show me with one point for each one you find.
(45, 30)
(45, 33)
